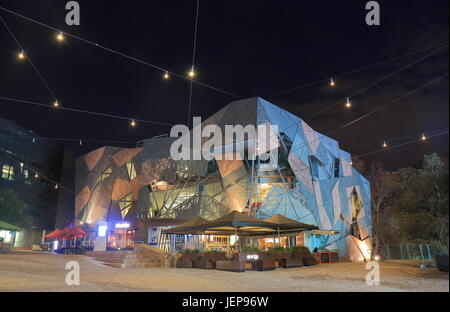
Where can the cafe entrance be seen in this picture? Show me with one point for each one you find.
(121, 238)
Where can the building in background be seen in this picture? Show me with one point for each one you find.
(314, 182)
(24, 159)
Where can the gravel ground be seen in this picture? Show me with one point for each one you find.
(34, 271)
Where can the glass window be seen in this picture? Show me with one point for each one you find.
(131, 170)
(8, 172)
(26, 176)
(336, 168)
(104, 175)
(125, 204)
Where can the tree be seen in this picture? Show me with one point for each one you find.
(12, 208)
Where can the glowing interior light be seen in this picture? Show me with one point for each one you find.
(21, 55)
(36, 175)
(264, 185)
(348, 104)
(81, 142)
(102, 230)
(122, 225)
(423, 138)
(56, 104)
(377, 258)
(56, 186)
(133, 123)
(385, 144)
(55, 245)
(34, 139)
(166, 75)
(60, 37)
(332, 83)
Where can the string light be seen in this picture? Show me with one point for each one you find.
(60, 37)
(133, 123)
(166, 75)
(385, 144)
(423, 138)
(332, 83)
(348, 104)
(21, 55)
(192, 72)
(56, 104)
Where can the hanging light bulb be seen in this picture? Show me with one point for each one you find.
(348, 104)
(385, 144)
(192, 72)
(60, 37)
(332, 83)
(56, 186)
(36, 175)
(423, 138)
(34, 139)
(21, 55)
(133, 123)
(81, 142)
(166, 75)
(56, 104)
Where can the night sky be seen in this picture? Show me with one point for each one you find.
(247, 48)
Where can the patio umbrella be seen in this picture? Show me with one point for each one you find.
(187, 227)
(55, 234)
(72, 231)
(239, 223)
(285, 223)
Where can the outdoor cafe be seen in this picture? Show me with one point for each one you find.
(70, 240)
(238, 242)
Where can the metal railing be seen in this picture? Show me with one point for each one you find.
(410, 252)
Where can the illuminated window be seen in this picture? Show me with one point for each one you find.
(131, 170)
(26, 176)
(104, 175)
(8, 172)
(125, 204)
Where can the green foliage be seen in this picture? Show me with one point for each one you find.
(278, 249)
(12, 208)
(414, 205)
(212, 251)
(298, 249)
(250, 249)
(189, 251)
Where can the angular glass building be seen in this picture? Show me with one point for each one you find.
(313, 182)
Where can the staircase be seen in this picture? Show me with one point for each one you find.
(142, 256)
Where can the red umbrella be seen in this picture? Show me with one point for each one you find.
(73, 231)
(56, 233)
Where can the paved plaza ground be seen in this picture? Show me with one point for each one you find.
(34, 271)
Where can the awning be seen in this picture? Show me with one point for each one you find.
(237, 223)
(290, 224)
(9, 227)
